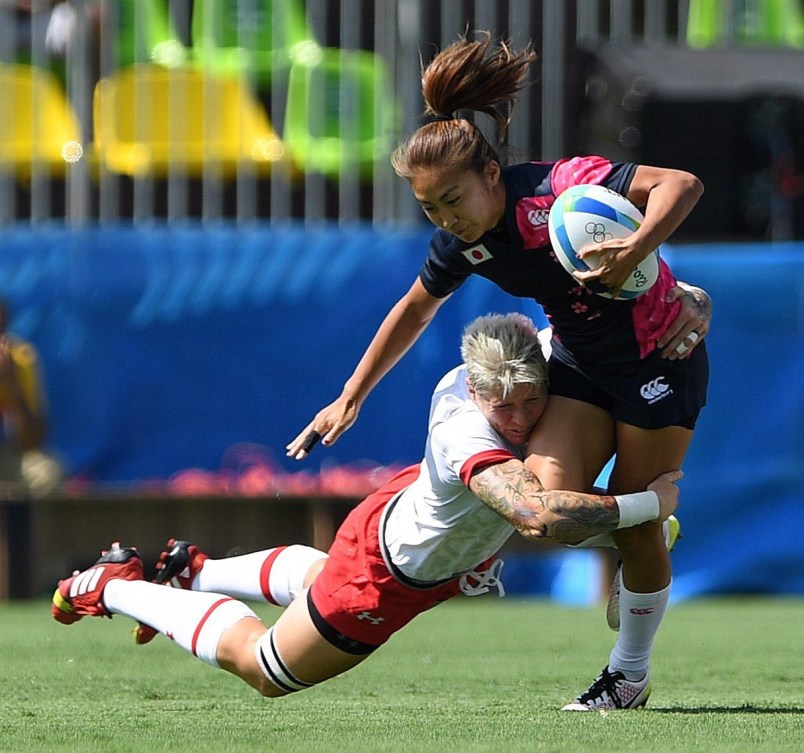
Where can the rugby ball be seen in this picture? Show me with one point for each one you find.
(587, 214)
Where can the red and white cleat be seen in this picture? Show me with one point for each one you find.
(81, 595)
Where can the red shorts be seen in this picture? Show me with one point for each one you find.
(355, 601)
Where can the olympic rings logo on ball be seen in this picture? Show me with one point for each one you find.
(640, 278)
(597, 232)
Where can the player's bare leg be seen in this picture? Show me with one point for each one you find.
(646, 573)
(642, 455)
(571, 444)
(287, 657)
(567, 427)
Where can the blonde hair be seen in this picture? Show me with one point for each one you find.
(502, 351)
(467, 75)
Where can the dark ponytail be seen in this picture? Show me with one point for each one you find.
(467, 75)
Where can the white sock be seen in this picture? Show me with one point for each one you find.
(195, 621)
(274, 575)
(640, 617)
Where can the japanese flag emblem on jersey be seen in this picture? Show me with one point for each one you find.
(477, 254)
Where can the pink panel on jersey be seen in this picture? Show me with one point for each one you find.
(483, 460)
(577, 171)
(532, 211)
(651, 315)
(531, 219)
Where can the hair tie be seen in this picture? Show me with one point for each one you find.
(437, 119)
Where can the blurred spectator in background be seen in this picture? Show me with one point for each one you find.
(48, 26)
(26, 27)
(24, 465)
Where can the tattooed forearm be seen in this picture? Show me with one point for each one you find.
(512, 491)
(580, 515)
(507, 488)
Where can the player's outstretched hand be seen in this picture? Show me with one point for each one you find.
(328, 424)
(665, 487)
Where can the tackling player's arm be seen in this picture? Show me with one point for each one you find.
(514, 492)
(694, 316)
(401, 328)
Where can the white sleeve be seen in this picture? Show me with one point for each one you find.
(454, 441)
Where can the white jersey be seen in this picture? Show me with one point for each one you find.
(437, 528)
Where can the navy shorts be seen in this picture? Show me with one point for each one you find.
(651, 393)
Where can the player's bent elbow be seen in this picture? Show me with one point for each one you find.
(694, 186)
(699, 188)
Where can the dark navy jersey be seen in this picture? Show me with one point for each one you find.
(518, 257)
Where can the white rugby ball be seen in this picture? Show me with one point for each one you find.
(587, 214)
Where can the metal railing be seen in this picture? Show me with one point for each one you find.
(399, 33)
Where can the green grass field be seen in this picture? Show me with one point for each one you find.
(473, 675)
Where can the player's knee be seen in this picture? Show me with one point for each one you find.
(267, 689)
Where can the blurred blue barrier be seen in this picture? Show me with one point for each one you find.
(743, 493)
(164, 347)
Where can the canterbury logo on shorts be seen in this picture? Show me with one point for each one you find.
(655, 390)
